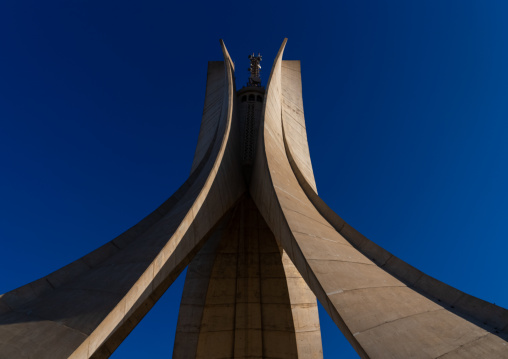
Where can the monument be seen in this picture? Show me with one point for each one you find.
(261, 245)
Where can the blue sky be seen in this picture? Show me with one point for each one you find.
(406, 109)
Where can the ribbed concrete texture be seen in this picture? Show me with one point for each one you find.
(262, 245)
(243, 297)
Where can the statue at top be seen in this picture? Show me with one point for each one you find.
(254, 69)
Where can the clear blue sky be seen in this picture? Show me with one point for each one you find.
(406, 104)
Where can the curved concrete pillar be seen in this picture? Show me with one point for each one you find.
(87, 308)
(295, 132)
(384, 307)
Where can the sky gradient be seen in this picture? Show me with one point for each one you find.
(406, 106)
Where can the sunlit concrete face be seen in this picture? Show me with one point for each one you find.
(261, 246)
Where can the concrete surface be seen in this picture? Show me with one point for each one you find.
(385, 308)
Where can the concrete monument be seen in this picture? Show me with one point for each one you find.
(261, 245)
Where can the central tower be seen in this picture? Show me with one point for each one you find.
(250, 106)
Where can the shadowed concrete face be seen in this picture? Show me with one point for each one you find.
(262, 246)
(243, 297)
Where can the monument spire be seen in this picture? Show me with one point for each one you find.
(260, 246)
